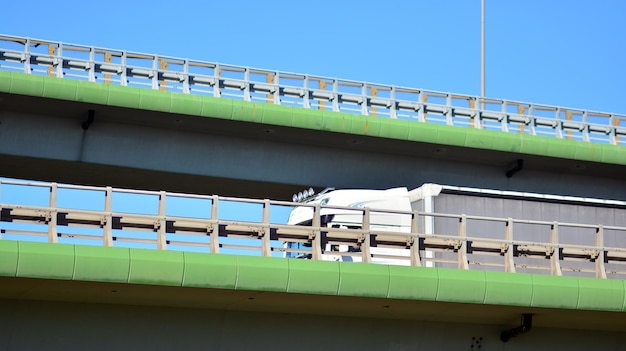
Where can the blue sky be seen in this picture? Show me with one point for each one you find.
(560, 52)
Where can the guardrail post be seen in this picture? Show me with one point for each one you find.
(558, 129)
(448, 110)
(124, 76)
(504, 124)
(108, 218)
(306, 97)
(472, 106)
(422, 114)
(276, 83)
(393, 109)
(415, 243)
(509, 263)
(27, 57)
(161, 226)
(365, 101)
(59, 61)
(365, 244)
(246, 81)
(613, 138)
(186, 89)
(92, 64)
(266, 249)
(316, 244)
(215, 226)
(586, 131)
(555, 255)
(217, 87)
(52, 221)
(155, 73)
(533, 122)
(462, 250)
(614, 123)
(335, 95)
(568, 117)
(600, 268)
(478, 116)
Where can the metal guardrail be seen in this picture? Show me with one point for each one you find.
(121, 67)
(257, 231)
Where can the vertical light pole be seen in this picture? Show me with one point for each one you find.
(482, 53)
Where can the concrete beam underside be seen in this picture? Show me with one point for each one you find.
(102, 316)
(43, 139)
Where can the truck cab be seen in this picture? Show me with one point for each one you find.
(344, 209)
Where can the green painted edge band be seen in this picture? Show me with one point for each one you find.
(244, 111)
(214, 271)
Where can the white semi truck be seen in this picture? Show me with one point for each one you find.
(494, 222)
(343, 209)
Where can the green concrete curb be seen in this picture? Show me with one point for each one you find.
(251, 273)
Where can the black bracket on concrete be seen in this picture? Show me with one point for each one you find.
(527, 323)
(518, 167)
(90, 117)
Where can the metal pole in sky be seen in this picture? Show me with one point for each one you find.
(482, 52)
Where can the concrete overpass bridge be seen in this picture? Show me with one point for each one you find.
(101, 129)
(166, 123)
